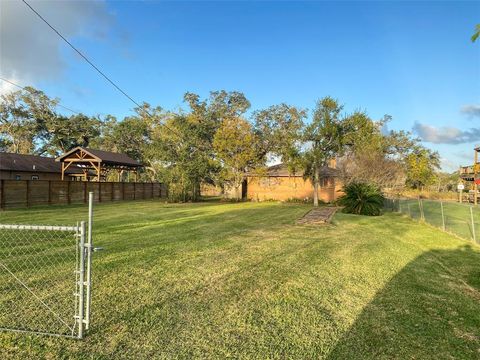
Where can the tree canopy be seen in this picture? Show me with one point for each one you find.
(217, 141)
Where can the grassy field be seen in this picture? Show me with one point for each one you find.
(458, 219)
(242, 280)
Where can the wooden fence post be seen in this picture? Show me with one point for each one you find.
(2, 194)
(111, 194)
(99, 192)
(123, 190)
(134, 191)
(69, 188)
(49, 192)
(85, 192)
(27, 184)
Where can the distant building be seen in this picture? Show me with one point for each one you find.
(81, 164)
(31, 167)
(279, 184)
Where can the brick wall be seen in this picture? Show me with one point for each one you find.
(293, 187)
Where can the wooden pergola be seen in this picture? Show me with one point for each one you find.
(96, 164)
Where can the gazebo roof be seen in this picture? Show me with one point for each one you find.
(105, 157)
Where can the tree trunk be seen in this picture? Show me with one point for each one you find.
(198, 193)
(315, 187)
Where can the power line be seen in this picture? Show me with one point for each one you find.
(96, 68)
(24, 88)
(81, 54)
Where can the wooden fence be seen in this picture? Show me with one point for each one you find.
(26, 193)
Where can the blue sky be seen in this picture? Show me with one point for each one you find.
(411, 60)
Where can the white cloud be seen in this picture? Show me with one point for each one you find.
(446, 134)
(30, 51)
(471, 110)
(448, 165)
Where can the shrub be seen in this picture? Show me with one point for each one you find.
(362, 199)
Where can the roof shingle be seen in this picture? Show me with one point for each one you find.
(34, 163)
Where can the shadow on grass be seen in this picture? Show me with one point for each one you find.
(431, 309)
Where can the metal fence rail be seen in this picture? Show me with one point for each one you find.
(462, 220)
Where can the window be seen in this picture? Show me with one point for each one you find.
(35, 177)
(326, 182)
(18, 177)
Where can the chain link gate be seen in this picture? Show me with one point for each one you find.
(45, 278)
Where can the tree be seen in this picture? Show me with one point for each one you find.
(325, 137)
(64, 133)
(188, 152)
(279, 129)
(476, 34)
(23, 115)
(421, 167)
(367, 159)
(131, 136)
(236, 145)
(182, 155)
(420, 164)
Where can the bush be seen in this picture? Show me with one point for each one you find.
(362, 199)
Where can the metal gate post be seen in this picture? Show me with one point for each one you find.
(89, 249)
(420, 205)
(473, 224)
(81, 280)
(443, 216)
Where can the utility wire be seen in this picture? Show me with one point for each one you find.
(96, 68)
(24, 88)
(81, 54)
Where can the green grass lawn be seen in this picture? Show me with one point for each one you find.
(457, 216)
(214, 280)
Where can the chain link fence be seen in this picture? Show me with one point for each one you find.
(40, 278)
(45, 278)
(459, 219)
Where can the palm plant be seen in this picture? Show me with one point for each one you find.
(362, 199)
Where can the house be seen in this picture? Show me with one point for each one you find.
(279, 184)
(31, 167)
(80, 163)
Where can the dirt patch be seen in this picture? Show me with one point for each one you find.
(318, 216)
